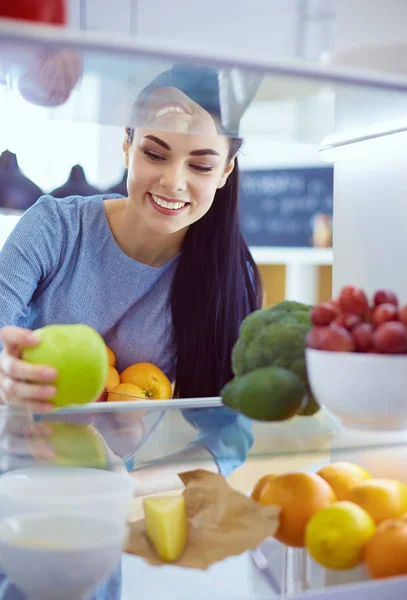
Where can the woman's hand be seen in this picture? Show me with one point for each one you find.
(21, 383)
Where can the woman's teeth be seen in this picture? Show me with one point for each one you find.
(165, 204)
(170, 109)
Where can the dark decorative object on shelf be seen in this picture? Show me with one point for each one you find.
(17, 192)
(76, 185)
(119, 188)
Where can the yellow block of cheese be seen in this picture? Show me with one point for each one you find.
(166, 525)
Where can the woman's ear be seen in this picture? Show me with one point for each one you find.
(227, 171)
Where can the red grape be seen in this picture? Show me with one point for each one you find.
(337, 339)
(403, 314)
(347, 320)
(334, 302)
(323, 314)
(363, 336)
(385, 297)
(369, 314)
(353, 300)
(315, 338)
(391, 338)
(384, 312)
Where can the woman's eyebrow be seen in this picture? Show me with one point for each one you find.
(157, 140)
(201, 152)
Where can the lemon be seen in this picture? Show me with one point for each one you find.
(336, 536)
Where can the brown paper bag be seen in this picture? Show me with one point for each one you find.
(222, 522)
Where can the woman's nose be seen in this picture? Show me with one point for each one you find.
(173, 178)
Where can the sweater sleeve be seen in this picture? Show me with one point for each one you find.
(29, 256)
(226, 434)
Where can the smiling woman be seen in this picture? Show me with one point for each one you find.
(164, 274)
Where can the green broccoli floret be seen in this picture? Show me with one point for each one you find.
(254, 327)
(276, 344)
(290, 306)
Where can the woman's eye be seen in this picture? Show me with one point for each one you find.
(201, 169)
(153, 155)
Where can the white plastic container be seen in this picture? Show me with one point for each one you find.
(60, 556)
(89, 491)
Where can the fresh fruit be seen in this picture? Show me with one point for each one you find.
(353, 300)
(315, 338)
(384, 312)
(381, 498)
(338, 339)
(403, 314)
(78, 353)
(391, 338)
(323, 314)
(76, 445)
(111, 357)
(343, 476)
(336, 536)
(260, 485)
(385, 296)
(348, 321)
(154, 383)
(166, 525)
(380, 328)
(386, 553)
(102, 397)
(266, 394)
(299, 496)
(112, 379)
(363, 336)
(125, 392)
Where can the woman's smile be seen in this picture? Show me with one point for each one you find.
(167, 206)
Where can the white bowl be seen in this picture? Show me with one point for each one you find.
(60, 555)
(365, 391)
(92, 491)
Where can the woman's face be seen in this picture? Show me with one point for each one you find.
(176, 162)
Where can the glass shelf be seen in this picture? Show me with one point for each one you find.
(138, 432)
(96, 79)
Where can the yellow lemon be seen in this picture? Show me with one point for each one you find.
(336, 536)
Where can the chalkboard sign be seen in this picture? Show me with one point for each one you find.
(286, 207)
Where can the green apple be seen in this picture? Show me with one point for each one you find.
(78, 353)
(76, 445)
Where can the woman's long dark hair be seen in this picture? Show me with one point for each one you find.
(216, 285)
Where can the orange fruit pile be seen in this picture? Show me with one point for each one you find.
(141, 381)
(342, 515)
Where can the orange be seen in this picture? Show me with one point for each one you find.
(386, 553)
(111, 357)
(343, 476)
(299, 496)
(113, 379)
(154, 383)
(260, 485)
(124, 392)
(381, 498)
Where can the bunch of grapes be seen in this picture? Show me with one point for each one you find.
(350, 324)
